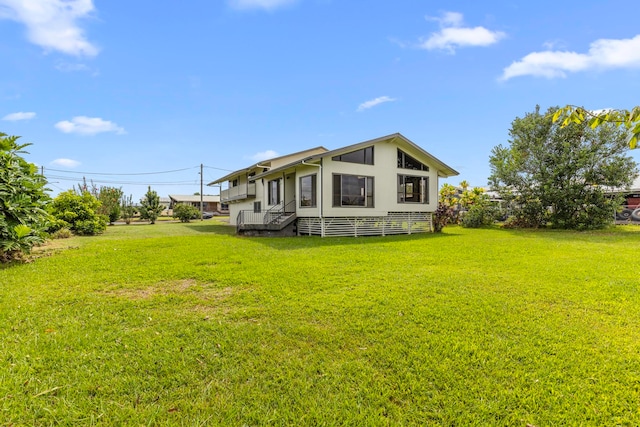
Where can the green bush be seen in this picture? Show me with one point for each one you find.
(78, 212)
(63, 233)
(480, 216)
(185, 213)
(23, 201)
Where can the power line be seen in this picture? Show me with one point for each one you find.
(101, 181)
(121, 174)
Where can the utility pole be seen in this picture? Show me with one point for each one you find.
(201, 196)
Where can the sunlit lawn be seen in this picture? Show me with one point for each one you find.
(187, 324)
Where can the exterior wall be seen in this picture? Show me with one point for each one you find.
(385, 172)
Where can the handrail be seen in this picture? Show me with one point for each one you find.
(265, 217)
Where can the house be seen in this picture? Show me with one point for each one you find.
(209, 203)
(387, 185)
(630, 209)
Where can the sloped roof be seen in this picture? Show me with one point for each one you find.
(193, 198)
(267, 163)
(443, 169)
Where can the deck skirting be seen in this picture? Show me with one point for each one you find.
(393, 223)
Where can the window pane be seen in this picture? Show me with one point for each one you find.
(353, 190)
(274, 192)
(308, 190)
(364, 156)
(413, 189)
(405, 161)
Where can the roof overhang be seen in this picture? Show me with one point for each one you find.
(444, 171)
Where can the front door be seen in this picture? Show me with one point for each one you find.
(290, 192)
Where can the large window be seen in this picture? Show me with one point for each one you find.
(364, 156)
(274, 192)
(405, 161)
(353, 190)
(308, 191)
(413, 189)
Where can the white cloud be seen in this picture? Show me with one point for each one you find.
(259, 4)
(67, 67)
(14, 117)
(88, 126)
(372, 103)
(52, 24)
(67, 163)
(264, 155)
(453, 35)
(602, 54)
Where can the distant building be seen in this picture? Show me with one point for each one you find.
(209, 203)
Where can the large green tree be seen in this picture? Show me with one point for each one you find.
(23, 201)
(150, 207)
(557, 173)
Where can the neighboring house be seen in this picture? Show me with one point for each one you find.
(630, 209)
(387, 185)
(165, 202)
(209, 203)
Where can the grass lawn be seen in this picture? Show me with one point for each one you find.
(187, 324)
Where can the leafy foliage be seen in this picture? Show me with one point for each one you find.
(557, 175)
(23, 201)
(109, 198)
(185, 213)
(150, 207)
(470, 207)
(127, 209)
(629, 119)
(78, 211)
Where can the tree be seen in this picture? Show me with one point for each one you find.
(185, 213)
(629, 119)
(150, 207)
(557, 175)
(78, 211)
(127, 209)
(23, 201)
(109, 198)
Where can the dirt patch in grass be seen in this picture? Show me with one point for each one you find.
(176, 287)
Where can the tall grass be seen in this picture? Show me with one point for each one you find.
(187, 324)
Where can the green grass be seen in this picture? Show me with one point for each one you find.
(187, 324)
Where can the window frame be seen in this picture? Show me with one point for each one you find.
(367, 156)
(406, 161)
(402, 185)
(367, 192)
(313, 199)
(273, 193)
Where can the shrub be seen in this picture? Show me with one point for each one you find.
(63, 233)
(23, 201)
(185, 213)
(78, 213)
(480, 216)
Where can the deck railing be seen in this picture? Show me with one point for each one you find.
(238, 192)
(265, 217)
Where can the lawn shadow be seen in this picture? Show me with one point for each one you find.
(555, 234)
(302, 242)
(215, 228)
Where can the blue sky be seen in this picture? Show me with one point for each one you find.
(118, 90)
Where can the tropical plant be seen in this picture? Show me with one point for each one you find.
(23, 201)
